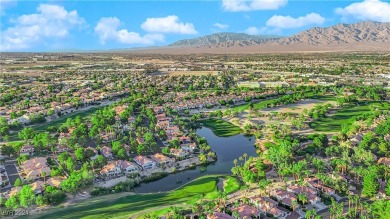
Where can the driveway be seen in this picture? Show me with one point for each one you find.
(12, 176)
(12, 173)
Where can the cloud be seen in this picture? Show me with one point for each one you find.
(373, 10)
(252, 5)
(51, 22)
(263, 30)
(252, 31)
(221, 26)
(169, 24)
(285, 22)
(107, 29)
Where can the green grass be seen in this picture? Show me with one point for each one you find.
(262, 104)
(222, 128)
(259, 105)
(346, 115)
(58, 122)
(269, 144)
(155, 214)
(125, 206)
(231, 184)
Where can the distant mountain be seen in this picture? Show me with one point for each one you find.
(225, 40)
(363, 32)
(367, 31)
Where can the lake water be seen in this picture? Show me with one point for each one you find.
(226, 148)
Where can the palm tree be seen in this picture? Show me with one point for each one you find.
(303, 198)
(294, 204)
(240, 158)
(43, 174)
(311, 214)
(245, 156)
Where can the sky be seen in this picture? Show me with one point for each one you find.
(60, 25)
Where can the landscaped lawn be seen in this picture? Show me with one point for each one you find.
(346, 115)
(128, 205)
(231, 184)
(222, 128)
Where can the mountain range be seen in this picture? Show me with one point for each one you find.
(338, 34)
(367, 36)
(226, 39)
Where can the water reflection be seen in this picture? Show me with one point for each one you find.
(226, 148)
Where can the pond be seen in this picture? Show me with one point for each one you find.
(226, 148)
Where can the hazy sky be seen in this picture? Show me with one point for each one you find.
(95, 25)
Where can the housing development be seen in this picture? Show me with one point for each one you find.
(289, 120)
(320, 141)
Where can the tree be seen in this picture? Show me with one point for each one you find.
(202, 158)
(122, 154)
(18, 182)
(318, 163)
(166, 150)
(27, 196)
(39, 200)
(8, 150)
(79, 153)
(12, 202)
(55, 197)
(76, 180)
(380, 209)
(70, 164)
(22, 158)
(370, 184)
(26, 134)
(141, 149)
(43, 174)
(302, 198)
(388, 188)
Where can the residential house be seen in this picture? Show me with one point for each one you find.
(111, 169)
(140, 140)
(27, 149)
(35, 168)
(384, 161)
(179, 153)
(38, 187)
(106, 151)
(55, 181)
(268, 206)
(144, 162)
(315, 183)
(219, 215)
(161, 159)
(61, 148)
(284, 196)
(190, 147)
(94, 151)
(127, 166)
(247, 211)
(355, 140)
